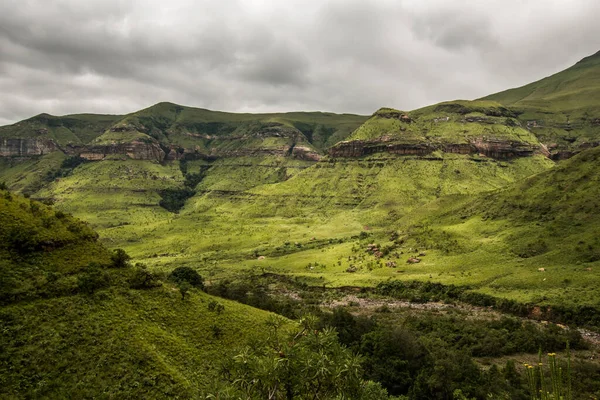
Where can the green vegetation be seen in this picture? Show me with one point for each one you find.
(459, 204)
(544, 229)
(78, 321)
(305, 364)
(73, 129)
(562, 110)
(455, 122)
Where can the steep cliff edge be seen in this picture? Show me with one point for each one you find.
(26, 147)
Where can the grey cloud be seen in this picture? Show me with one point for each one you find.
(116, 56)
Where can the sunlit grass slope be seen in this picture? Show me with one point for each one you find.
(549, 221)
(239, 213)
(73, 326)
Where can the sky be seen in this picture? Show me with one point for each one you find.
(354, 56)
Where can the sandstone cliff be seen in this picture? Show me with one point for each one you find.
(492, 148)
(26, 147)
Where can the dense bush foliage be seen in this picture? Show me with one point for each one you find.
(306, 364)
(174, 199)
(189, 275)
(422, 292)
(256, 294)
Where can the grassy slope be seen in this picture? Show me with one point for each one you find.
(500, 239)
(29, 175)
(446, 123)
(570, 90)
(328, 201)
(56, 342)
(564, 104)
(76, 129)
(201, 129)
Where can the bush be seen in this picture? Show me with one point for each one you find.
(174, 199)
(120, 259)
(141, 278)
(216, 307)
(72, 162)
(92, 280)
(188, 275)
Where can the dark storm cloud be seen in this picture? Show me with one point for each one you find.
(116, 56)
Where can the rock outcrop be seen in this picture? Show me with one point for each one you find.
(305, 153)
(137, 150)
(492, 148)
(26, 147)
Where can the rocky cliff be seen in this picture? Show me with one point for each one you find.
(26, 147)
(497, 149)
(137, 150)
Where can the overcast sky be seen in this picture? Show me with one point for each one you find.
(118, 56)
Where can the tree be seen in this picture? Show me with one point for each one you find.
(188, 275)
(120, 259)
(307, 364)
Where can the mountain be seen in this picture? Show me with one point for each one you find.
(223, 193)
(562, 110)
(461, 127)
(169, 131)
(77, 321)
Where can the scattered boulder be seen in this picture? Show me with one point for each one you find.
(351, 268)
(422, 254)
(541, 269)
(413, 260)
(391, 264)
(261, 257)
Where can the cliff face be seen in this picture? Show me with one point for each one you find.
(497, 149)
(26, 147)
(137, 150)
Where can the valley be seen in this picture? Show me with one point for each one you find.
(474, 225)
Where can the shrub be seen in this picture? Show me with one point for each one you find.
(141, 278)
(188, 275)
(216, 307)
(120, 259)
(92, 280)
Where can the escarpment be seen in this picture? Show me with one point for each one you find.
(139, 142)
(497, 149)
(26, 147)
(136, 150)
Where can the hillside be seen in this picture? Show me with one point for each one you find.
(78, 322)
(224, 193)
(562, 110)
(462, 127)
(173, 132)
(536, 240)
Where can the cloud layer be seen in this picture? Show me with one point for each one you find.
(117, 56)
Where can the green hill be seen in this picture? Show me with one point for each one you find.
(562, 110)
(536, 240)
(78, 322)
(73, 129)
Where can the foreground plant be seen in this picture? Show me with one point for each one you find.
(306, 364)
(559, 386)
